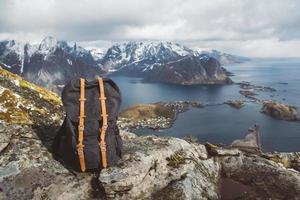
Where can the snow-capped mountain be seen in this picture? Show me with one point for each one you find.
(164, 62)
(141, 55)
(223, 58)
(50, 63)
(13, 54)
(97, 53)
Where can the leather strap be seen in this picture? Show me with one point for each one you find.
(103, 129)
(80, 145)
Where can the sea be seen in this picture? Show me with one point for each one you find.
(221, 123)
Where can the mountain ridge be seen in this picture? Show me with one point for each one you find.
(51, 63)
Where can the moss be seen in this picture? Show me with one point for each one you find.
(276, 158)
(13, 113)
(45, 94)
(6, 74)
(177, 159)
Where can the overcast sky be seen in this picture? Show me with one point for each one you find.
(260, 28)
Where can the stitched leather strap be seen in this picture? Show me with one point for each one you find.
(103, 129)
(80, 145)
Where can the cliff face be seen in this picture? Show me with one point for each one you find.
(152, 167)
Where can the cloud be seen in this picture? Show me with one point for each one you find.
(235, 26)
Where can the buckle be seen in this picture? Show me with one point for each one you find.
(80, 128)
(102, 146)
(104, 127)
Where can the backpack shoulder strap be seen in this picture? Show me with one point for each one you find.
(103, 129)
(80, 145)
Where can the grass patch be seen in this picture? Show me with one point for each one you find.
(177, 159)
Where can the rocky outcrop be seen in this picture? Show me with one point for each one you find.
(152, 167)
(280, 111)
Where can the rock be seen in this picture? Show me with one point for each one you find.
(152, 167)
(280, 111)
(215, 150)
(159, 164)
(235, 104)
(288, 160)
(251, 143)
(269, 179)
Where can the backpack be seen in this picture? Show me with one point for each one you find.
(89, 136)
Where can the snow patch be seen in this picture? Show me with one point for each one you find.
(69, 61)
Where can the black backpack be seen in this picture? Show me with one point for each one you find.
(89, 137)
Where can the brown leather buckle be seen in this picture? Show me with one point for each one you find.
(80, 128)
(102, 146)
(80, 147)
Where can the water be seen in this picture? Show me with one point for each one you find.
(223, 124)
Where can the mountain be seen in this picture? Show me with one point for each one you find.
(224, 58)
(189, 70)
(164, 62)
(50, 63)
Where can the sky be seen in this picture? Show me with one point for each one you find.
(254, 28)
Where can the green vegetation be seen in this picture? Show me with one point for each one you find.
(13, 113)
(42, 92)
(147, 111)
(176, 159)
